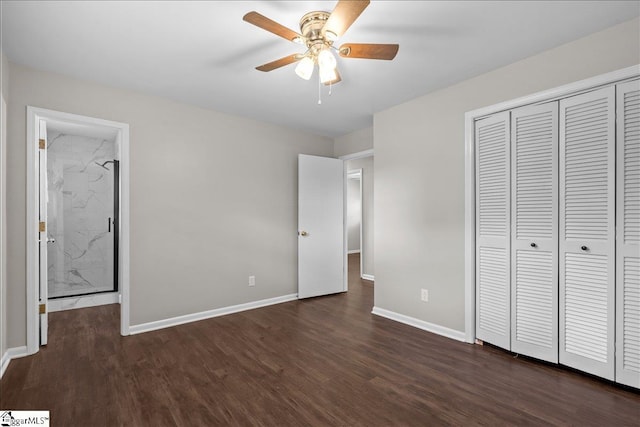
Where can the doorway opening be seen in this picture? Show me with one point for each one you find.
(82, 216)
(358, 168)
(77, 217)
(354, 220)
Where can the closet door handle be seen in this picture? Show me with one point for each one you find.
(533, 245)
(584, 248)
(109, 224)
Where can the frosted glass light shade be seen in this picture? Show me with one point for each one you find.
(326, 59)
(304, 69)
(328, 74)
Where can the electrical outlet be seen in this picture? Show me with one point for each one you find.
(252, 280)
(424, 295)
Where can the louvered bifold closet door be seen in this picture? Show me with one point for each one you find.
(534, 232)
(628, 235)
(493, 230)
(587, 202)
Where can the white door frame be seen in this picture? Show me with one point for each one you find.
(353, 156)
(470, 173)
(34, 115)
(356, 174)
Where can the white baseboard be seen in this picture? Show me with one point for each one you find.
(355, 251)
(369, 277)
(82, 301)
(11, 353)
(188, 318)
(420, 324)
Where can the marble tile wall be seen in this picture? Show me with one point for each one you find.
(80, 201)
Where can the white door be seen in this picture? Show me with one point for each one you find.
(493, 230)
(534, 244)
(320, 226)
(587, 232)
(42, 234)
(628, 238)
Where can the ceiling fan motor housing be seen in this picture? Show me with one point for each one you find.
(311, 26)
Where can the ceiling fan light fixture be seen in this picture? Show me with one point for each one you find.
(326, 59)
(304, 69)
(319, 30)
(328, 74)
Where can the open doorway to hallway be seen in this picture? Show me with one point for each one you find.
(354, 220)
(359, 217)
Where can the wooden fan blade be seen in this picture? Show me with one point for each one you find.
(272, 26)
(338, 79)
(280, 62)
(369, 51)
(344, 14)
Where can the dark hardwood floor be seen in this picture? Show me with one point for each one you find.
(324, 361)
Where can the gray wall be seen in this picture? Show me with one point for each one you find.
(213, 198)
(353, 142)
(367, 251)
(4, 91)
(419, 179)
(4, 74)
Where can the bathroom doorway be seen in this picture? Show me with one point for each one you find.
(77, 217)
(82, 216)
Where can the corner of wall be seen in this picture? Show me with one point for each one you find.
(354, 142)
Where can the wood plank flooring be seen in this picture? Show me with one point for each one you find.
(320, 362)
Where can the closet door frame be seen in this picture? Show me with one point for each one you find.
(470, 169)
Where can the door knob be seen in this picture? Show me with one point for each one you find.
(51, 240)
(303, 233)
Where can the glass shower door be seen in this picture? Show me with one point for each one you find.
(82, 214)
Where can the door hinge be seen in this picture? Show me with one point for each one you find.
(42, 144)
(42, 308)
(42, 227)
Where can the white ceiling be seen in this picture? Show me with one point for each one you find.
(203, 53)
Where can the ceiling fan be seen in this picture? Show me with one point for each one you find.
(318, 31)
